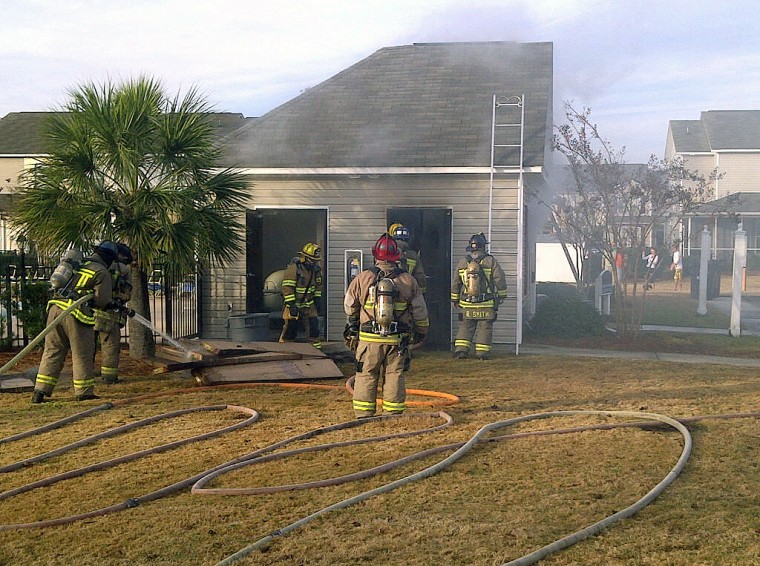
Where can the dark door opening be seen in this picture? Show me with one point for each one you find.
(274, 236)
(431, 236)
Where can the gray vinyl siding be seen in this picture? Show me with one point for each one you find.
(357, 217)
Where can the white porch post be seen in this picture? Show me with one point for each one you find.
(704, 257)
(740, 262)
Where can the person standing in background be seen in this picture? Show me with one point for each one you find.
(410, 259)
(677, 268)
(652, 261)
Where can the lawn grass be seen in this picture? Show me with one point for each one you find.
(502, 500)
(680, 310)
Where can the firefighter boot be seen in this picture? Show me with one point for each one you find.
(38, 397)
(87, 397)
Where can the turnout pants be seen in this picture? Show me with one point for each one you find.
(375, 362)
(477, 332)
(80, 339)
(308, 321)
(110, 349)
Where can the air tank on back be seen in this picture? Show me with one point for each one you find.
(273, 291)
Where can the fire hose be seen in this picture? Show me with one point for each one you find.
(173, 488)
(460, 449)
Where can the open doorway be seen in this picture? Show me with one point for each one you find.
(431, 236)
(274, 236)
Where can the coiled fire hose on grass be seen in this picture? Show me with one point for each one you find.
(464, 449)
(173, 488)
(199, 480)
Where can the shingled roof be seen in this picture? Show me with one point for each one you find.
(23, 133)
(717, 130)
(742, 204)
(420, 105)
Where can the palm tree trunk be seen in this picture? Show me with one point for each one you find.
(142, 345)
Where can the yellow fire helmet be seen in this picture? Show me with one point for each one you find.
(392, 227)
(312, 252)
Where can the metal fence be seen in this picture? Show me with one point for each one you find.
(174, 304)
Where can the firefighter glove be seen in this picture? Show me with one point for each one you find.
(128, 311)
(294, 311)
(418, 337)
(351, 336)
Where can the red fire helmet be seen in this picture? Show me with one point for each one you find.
(386, 249)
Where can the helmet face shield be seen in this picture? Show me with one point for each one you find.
(477, 242)
(402, 233)
(125, 254)
(107, 250)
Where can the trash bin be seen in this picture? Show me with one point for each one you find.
(713, 281)
(251, 327)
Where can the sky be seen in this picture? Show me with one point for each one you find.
(636, 65)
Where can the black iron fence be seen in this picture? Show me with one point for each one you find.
(24, 291)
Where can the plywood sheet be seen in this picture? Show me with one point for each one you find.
(282, 370)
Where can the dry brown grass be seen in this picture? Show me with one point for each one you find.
(499, 502)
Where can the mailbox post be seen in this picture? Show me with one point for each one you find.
(603, 288)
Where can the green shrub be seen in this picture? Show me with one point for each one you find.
(566, 317)
(28, 304)
(558, 290)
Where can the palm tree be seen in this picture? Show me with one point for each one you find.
(130, 164)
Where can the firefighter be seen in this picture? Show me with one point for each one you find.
(76, 332)
(302, 295)
(478, 287)
(386, 314)
(410, 259)
(115, 315)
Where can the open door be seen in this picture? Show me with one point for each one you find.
(431, 236)
(274, 236)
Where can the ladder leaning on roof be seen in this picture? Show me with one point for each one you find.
(507, 136)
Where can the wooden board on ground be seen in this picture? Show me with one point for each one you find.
(225, 348)
(225, 361)
(15, 383)
(284, 370)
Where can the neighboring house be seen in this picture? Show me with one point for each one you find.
(403, 135)
(21, 144)
(724, 140)
(727, 141)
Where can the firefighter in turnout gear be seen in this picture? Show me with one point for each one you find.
(302, 295)
(76, 331)
(479, 286)
(114, 317)
(387, 313)
(410, 259)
